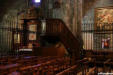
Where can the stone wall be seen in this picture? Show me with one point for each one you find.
(89, 19)
(9, 21)
(70, 11)
(89, 9)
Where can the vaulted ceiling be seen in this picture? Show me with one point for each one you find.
(6, 5)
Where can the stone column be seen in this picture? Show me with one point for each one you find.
(77, 19)
(77, 22)
(79, 16)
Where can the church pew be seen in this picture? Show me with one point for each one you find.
(5, 67)
(8, 68)
(45, 65)
(92, 71)
(21, 60)
(108, 54)
(106, 65)
(65, 72)
(11, 60)
(48, 67)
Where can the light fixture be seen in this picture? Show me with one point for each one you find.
(37, 1)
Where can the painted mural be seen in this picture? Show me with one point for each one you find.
(104, 18)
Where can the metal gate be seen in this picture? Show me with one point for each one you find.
(7, 26)
(97, 36)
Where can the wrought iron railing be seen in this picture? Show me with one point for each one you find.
(97, 36)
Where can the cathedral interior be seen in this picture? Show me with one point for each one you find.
(56, 37)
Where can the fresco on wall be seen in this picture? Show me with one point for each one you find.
(104, 18)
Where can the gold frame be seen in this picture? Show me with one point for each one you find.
(33, 27)
(31, 36)
(96, 16)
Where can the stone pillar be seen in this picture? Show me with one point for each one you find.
(77, 22)
(77, 19)
(47, 8)
(79, 16)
